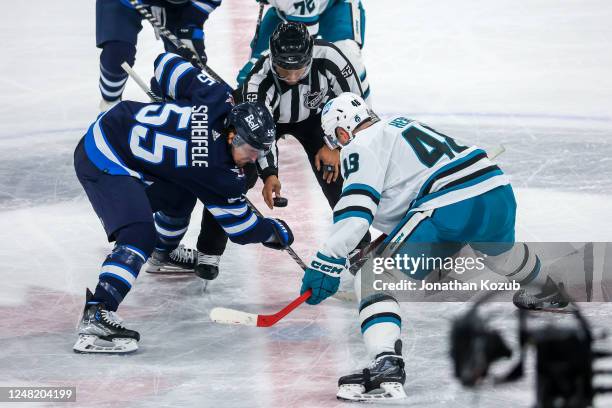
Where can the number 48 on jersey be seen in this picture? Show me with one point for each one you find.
(428, 145)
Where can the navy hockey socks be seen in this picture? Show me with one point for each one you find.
(170, 231)
(112, 77)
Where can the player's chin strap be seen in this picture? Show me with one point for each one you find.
(146, 13)
(371, 119)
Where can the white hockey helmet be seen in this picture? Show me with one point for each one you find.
(346, 111)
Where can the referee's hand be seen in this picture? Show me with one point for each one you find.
(271, 189)
(326, 158)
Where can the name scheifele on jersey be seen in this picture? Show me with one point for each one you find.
(179, 143)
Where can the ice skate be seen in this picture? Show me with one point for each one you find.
(101, 331)
(382, 381)
(180, 260)
(550, 297)
(207, 266)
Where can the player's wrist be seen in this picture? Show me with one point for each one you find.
(281, 236)
(267, 172)
(328, 265)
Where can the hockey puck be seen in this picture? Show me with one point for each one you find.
(280, 202)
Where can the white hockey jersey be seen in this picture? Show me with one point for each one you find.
(399, 165)
(304, 11)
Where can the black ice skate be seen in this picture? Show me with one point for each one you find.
(180, 260)
(383, 380)
(549, 298)
(207, 266)
(101, 331)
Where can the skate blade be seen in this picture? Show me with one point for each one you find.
(156, 269)
(93, 344)
(570, 308)
(389, 392)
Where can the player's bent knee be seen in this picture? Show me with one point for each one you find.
(140, 235)
(114, 53)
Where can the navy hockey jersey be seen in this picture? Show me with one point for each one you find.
(180, 142)
(194, 12)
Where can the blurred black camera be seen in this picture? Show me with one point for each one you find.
(564, 357)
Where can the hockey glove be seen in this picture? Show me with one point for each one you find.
(323, 277)
(193, 38)
(282, 237)
(245, 71)
(156, 89)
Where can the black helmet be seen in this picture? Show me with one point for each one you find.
(291, 46)
(253, 124)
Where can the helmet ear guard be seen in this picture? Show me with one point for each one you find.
(347, 111)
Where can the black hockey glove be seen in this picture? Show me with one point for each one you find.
(156, 89)
(282, 238)
(193, 38)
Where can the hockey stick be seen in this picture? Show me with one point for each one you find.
(289, 250)
(231, 316)
(258, 27)
(146, 13)
(496, 151)
(225, 315)
(139, 81)
(356, 261)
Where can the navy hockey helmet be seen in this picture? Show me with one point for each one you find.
(253, 124)
(291, 46)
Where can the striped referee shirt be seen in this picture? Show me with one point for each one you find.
(330, 75)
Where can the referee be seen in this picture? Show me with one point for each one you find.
(295, 80)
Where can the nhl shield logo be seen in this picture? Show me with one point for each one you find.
(312, 100)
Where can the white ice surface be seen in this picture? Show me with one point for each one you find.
(532, 75)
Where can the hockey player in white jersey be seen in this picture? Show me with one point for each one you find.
(416, 185)
(341, 22)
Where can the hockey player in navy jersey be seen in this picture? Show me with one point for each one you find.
(118, 24)
(418, 186)
(137, 158)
